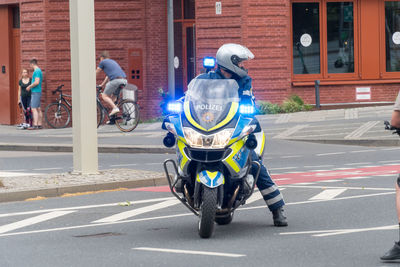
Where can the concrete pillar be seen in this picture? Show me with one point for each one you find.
(83, 76)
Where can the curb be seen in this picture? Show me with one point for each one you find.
(131, 149)
(358, 142)
(59, 191)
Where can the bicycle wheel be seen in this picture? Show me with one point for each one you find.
(128, 116)
(57, 115)
(100, 115)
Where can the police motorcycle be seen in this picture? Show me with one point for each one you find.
(213, 135)
(391, 128)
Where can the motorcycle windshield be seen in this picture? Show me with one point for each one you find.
(211, 104)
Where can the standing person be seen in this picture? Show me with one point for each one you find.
(394, 252)
(24, 98)
(36, 89)
(230, 60)
(115, 76)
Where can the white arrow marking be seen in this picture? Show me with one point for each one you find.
(131, 213)
(33, 220)
(192, 252)
(328, 194)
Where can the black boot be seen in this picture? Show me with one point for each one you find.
(393, 253)
(279, 218)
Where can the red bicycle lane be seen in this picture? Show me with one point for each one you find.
(307, 177)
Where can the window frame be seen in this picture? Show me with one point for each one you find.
(324, 75)
(382, 36)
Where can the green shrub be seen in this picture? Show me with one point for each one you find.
(265, 107)
(294, 103)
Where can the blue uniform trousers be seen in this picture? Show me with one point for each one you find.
(268, 189)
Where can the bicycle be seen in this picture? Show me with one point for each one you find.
(126, 119)
(58, 114)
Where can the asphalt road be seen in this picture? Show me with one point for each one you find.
(340, 207)
(281, 156)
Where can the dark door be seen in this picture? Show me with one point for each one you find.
(189, 53)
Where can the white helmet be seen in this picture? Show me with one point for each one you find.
(230, 55)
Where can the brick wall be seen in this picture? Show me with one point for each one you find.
(120, 25)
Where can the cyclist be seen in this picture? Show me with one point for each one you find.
(394, 252)
(230, 59)
(115, 76)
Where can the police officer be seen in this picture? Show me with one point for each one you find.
(230, 60)
(394, 252)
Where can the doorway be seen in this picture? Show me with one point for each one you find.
(10, 58)
(185, 44)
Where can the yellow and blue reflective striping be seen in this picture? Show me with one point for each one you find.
(211, 179)
(183, 159)
(186, 108)
(236, 147)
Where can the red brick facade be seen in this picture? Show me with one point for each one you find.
(262, 25)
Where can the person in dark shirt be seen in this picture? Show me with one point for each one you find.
(115, 76)
(231, 59)
(24, 98)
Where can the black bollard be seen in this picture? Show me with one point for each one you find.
(317, 103)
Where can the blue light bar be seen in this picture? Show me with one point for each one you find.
(174, 107)
(246, 109)
(209, 62)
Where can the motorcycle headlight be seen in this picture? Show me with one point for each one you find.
(198, 140)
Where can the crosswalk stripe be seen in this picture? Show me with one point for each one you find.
(33, 220)
(132, 202)
(131, 213)
(328, 194)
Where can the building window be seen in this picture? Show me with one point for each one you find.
(16, 17)
(392, 36)
(306, 39)
(340, 37)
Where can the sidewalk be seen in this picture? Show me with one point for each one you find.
(356, 126)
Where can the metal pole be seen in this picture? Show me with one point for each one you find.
(83, 65)
(171, 53)
(317, 102)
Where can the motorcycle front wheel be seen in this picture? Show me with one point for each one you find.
(208, 209)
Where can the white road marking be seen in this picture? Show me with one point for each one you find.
(46, 169)
(85, 207)
(281, 179)
(388, 161)
(343, 187)
(319, 166)
(357, 133)
(179, 215)
(322, 233)
(330, 181)
(328, 194)
(357, 163)
(283, 118)
(289, 157)
(393, 148)
(123, 165)
(283, 168)
(329, 154)
(14, 170)
(131, 213)
(290, 131)
(18, 174)
(192, 252)
(350, 114)
(257, 196)
(363, 151)
(33, 220)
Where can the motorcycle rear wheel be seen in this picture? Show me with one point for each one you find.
(208, 209)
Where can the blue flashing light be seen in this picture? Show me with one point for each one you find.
(246, 109)
(174, 107)
(209, 62)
